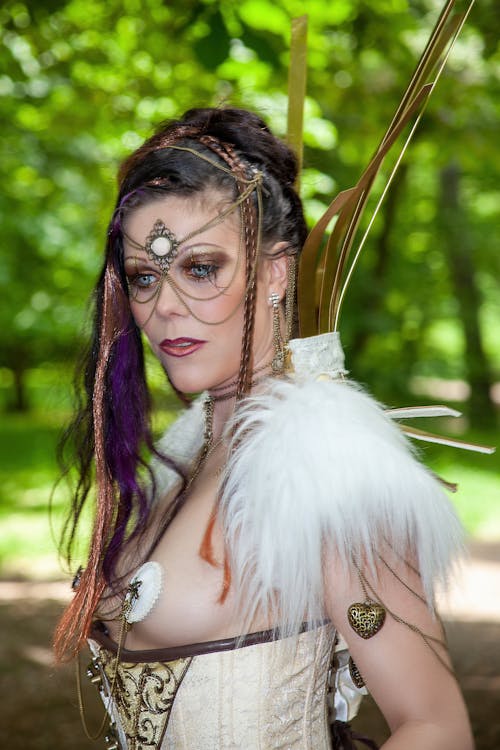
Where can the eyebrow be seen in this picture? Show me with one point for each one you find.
(144, 258)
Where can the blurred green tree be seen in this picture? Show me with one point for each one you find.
(84, 81)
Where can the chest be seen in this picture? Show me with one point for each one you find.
(189, 607)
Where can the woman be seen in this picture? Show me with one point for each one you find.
(284, 506)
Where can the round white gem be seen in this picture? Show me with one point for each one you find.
(161, 246)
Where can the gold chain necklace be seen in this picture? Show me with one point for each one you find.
(235, 382)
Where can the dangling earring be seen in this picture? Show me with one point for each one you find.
(290, 297)
(279, 354)
(289, 312)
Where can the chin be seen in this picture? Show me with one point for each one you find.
(190, 384)
(185, 385)
(195, 377)
(194, 386)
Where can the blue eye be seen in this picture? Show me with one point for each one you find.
(145, 279)
(202, 271)
(142, 280)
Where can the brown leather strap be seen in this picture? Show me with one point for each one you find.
(100, 635)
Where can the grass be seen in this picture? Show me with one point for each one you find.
(29, 479)
(477, 499)
(28, 473)
(477, 475)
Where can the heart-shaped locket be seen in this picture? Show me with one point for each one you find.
(366, 619)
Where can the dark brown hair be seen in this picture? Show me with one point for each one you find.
(112, 426)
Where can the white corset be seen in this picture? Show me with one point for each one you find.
(268, 696)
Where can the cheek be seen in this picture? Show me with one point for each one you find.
(140, 313)
(230, 332)
(225, 310)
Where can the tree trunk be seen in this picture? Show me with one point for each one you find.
(20, 402)
(458, 246)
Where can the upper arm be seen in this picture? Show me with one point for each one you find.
(409, 676)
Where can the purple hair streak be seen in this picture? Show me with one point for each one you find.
(127, 434)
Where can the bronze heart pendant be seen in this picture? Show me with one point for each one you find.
(366, 619)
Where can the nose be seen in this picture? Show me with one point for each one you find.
(169, 301)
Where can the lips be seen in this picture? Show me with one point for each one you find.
(181, 347)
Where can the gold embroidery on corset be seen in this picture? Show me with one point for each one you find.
(144, 696)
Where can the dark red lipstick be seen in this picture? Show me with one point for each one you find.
(181, 347)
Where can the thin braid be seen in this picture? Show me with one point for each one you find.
(248, 220)
(244, 377)
(248, 217)
(74, 626)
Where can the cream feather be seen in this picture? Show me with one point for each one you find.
(320, 462)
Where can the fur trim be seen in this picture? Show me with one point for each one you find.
(320, 462)
(181, 442)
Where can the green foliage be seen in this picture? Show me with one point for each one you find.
(83, 82)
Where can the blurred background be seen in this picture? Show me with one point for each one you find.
(82, 83)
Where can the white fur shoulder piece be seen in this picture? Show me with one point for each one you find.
(181, 442)
(320, 462)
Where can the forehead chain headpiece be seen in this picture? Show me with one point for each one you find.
(162, 245)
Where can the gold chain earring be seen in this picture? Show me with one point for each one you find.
(290, 302)
(279, 354)
(290, 297)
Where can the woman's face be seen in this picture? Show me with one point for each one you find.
(192, 314)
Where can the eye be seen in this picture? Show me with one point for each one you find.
(202, 271)
(142, 280)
